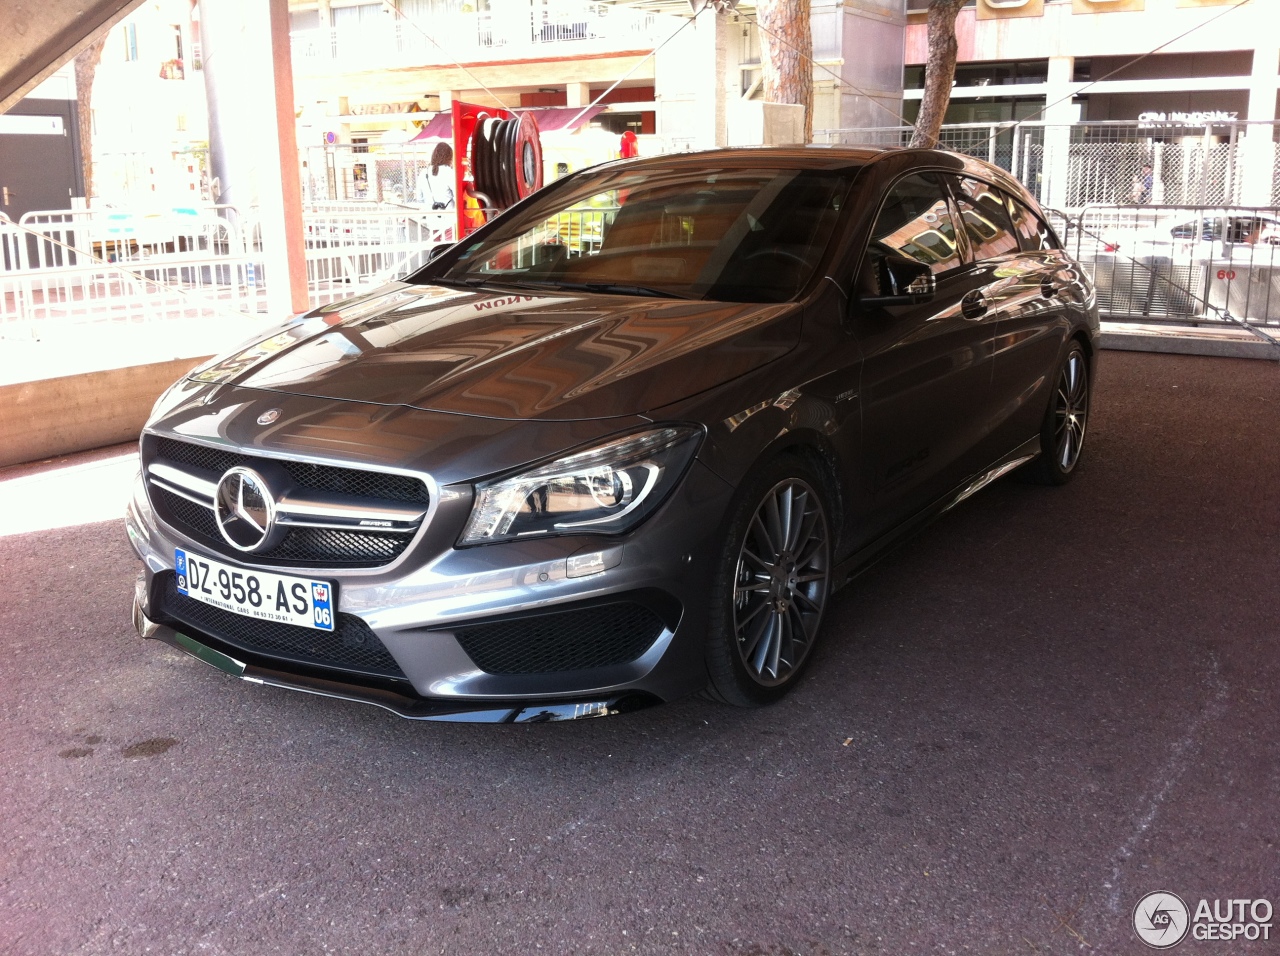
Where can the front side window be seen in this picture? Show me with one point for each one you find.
(986, 220)
(915, 221)
(734, 235)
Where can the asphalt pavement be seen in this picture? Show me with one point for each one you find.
(1049, 704)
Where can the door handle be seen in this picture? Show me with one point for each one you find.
(1047, 288)
(974, 305)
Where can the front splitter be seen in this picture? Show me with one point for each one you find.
(409, 706)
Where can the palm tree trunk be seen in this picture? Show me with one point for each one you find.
(786, 47)
(939, 71)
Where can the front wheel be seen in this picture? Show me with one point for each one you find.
(772, 585)
(1065, 422)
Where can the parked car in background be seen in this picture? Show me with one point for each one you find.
(1193, 235)
(542, 478)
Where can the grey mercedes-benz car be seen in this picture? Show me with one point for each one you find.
(622, 443)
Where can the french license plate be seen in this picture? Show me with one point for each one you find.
(260, 594)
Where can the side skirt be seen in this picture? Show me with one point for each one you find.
(864, 558)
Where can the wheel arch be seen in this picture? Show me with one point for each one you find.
(816, 450)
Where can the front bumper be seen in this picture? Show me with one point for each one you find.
(417, 607)
(401, 701)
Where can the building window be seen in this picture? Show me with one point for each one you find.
(177, 41)
(302, 20)
(363, 14)
(1010, 73)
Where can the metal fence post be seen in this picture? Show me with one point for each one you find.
(1206, 169)
(1229, 186)
(1015, 133)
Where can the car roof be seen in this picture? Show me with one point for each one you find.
(819, 156)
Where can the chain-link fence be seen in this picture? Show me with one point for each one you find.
(359, 172)
(1069, 166)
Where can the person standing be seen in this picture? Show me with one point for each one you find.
(435, 182)
(1142, 185)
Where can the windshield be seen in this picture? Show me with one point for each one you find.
(733, 235)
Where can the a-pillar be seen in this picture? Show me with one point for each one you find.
(253, 141)
(1060, 113)
(1258, 151)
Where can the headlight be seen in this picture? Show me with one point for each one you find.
(606, 490)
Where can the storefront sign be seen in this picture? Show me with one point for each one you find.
(379, 109)
(1187, 118)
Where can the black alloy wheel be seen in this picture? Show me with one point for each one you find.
(773, 586)
(1066, 421)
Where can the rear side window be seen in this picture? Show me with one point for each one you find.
(915, 221)
(1034, 234)
(986, 219)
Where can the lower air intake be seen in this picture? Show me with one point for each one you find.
(599, 636)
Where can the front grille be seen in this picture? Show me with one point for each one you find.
(578, 639)
(301, 547)
(351, 646)
(328, 478)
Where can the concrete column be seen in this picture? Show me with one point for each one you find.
(252, 134)
(689, 84)
(579, 94)
(863, 41)
(1057, 138)
(1258, 149)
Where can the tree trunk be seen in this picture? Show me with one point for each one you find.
(787, 62)
(86, 66)
(939, 71)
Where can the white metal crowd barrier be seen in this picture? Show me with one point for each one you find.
(1210, 264)
(64, 267)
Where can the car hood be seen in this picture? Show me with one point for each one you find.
(562, 356)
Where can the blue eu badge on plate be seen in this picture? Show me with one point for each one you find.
(321, 606)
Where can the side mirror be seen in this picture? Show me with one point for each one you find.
(438, 250)
(903, 281)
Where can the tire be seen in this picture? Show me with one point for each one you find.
(771, 585)
(1066, 420)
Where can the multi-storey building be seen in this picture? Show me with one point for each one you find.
(363, 71)
(1151, 74)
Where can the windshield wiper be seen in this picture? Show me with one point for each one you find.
(617, 288)
(449, 280)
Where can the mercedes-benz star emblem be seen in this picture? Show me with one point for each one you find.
(269, 416)
(245, 509)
